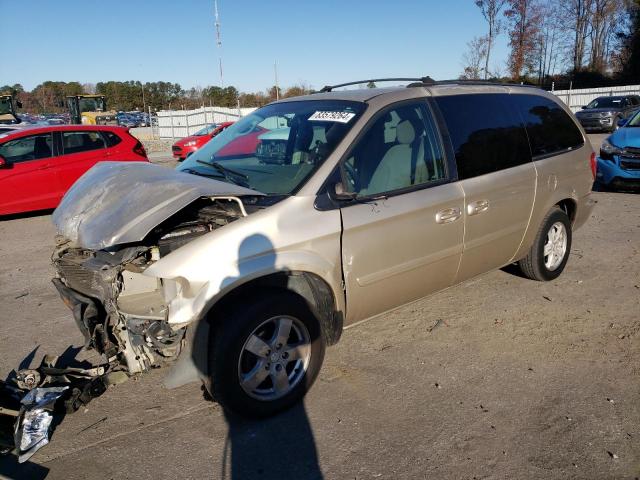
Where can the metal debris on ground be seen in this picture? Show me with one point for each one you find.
(33, 400)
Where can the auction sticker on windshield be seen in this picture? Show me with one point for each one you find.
(340, 117)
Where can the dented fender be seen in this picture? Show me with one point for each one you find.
(202, 272)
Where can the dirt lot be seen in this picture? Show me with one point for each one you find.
(499, 377)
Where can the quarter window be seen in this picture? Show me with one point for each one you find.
(549, 127)
(487, 135)
(75, 142)
(33, 147)
(111, 138)
(400, 150)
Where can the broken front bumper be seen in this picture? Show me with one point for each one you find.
(87, 318)
(121, 312)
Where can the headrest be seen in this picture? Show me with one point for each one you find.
(405, 132)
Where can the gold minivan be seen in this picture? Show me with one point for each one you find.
(311, 214)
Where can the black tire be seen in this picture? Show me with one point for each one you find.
(232, 328)
(533, 265)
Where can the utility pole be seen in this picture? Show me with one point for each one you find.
(144, 105)
(275, 71)
(218, 41)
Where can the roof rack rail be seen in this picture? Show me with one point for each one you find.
(468, 82)
(422, 80)
(425, 81)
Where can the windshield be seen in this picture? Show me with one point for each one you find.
(91, 105)
(206, 130)
(606, 102)
(5, 105)
(634, 121)
(276, 148)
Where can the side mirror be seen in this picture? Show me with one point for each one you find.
(339, 193)
(622, 122)
(583, 107)
(18, 104)
(3, 162)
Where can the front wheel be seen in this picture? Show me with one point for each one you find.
(265, 355)
(550, 250)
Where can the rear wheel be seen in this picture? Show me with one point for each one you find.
(550, 250)
(265, 354)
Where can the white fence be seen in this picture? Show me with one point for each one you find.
(182, 123)
(581, 96)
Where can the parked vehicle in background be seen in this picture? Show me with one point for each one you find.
(619, 160)
(604, 113)
(90, 110)
(39, 164)
(132, 119)
(380, 197)
(8, 113)
(187, 145)
(7, 128)
(126, 120)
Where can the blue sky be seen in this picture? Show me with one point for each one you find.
(315, 42)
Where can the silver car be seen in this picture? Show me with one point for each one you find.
(241, 267)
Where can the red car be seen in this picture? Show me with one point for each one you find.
(187, 145)
(39, 164)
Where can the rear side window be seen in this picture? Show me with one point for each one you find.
(111, 138)
(549, 127)
(75, 142)
(486, 133)
(32, 147)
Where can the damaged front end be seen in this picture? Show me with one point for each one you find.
(122, 313)
(114, 223)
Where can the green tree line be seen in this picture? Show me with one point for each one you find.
(49, 96)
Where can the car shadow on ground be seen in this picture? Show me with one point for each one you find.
(17, 216)
(279, 447)
(275, 448)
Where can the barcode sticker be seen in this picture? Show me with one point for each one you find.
(340, 117)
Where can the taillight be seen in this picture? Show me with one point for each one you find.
(139, 149)
(594, 164)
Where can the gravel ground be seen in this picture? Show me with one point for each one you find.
(499, 377)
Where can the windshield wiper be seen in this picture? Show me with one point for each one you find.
(232, 176)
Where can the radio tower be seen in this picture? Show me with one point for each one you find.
(219, 42)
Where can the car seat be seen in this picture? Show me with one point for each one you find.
(403, 164)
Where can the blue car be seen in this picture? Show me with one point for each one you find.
(619, 160)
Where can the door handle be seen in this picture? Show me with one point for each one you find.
(448, 215)
(475, 208)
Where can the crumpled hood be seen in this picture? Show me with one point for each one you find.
(626, 137)
(121, 202)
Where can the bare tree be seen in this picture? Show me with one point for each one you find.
(89, 88)
(491, 10)
(548, 41)
(577, 14)
(524, 20)
(605, 20)
(474, 58)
